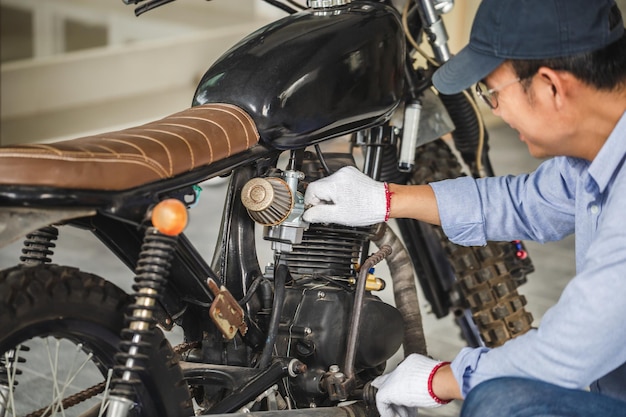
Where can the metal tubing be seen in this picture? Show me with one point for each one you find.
(229, 377)
(250, 390)
(355, 321)
(373, 152)
(280, 277)
(436, 30)
(352, 410)
(118, 406)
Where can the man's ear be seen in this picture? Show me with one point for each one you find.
(553, 85)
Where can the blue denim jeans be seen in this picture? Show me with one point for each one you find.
(518, 397)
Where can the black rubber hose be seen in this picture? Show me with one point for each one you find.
(467, 129)
(280, 277)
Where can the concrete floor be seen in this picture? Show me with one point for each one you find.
(554, 262)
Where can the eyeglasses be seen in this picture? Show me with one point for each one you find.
(490, 95)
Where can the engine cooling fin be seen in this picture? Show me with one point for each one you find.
(328, 250)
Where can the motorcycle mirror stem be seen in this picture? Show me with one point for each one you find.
(430, 13)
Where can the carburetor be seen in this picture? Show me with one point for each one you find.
(276, 203)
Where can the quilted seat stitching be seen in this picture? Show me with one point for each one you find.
(191, 154)
(131, 159)
(107, 149)
(134, 135)
(40, 146)
(89, 150)
(85, 150)
(237, 113)
(223, 107)
(124, 142)
(208, 141)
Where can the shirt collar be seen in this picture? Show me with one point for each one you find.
(610, 156)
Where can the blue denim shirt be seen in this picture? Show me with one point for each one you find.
(583, 336)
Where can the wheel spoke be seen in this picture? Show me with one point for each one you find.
(76, 364)
(53, 361)
(11, 359)
(72, 376)
(105, 397)
(59, 403)
(71, 387)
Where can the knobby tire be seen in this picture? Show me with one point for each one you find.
(65, 304)
(487, 277)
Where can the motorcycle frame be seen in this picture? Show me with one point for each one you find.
(118, 219)
(119, 214)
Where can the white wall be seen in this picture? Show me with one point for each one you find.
(149, 68)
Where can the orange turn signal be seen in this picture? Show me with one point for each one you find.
(170, 217)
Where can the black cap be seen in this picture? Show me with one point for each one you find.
(528, 29)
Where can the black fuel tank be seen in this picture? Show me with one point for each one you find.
(313, 75)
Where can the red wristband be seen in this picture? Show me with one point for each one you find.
(430, 383)
(388, 201)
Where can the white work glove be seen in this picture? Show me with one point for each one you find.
(347, 197)
(408, 387)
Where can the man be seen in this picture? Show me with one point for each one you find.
(555, 70)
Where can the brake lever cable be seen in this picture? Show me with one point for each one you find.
(281, 6)
(150, 5)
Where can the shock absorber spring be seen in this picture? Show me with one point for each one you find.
(151, 273)
(37, 246)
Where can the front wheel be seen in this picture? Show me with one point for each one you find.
(59, 332)
(484, 296)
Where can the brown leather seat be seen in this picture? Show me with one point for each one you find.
(131, 157)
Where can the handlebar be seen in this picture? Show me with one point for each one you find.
(152, 4)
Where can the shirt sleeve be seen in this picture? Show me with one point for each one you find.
(538, 206)
(581, 338)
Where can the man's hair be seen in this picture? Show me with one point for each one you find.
(604, 69)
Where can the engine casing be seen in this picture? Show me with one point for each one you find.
(314, 329)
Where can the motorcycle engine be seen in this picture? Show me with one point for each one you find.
(323, 260)
(314, 329)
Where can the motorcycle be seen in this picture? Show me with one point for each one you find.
(307, 333)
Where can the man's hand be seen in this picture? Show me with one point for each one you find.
(347, 197)
(408, 387)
